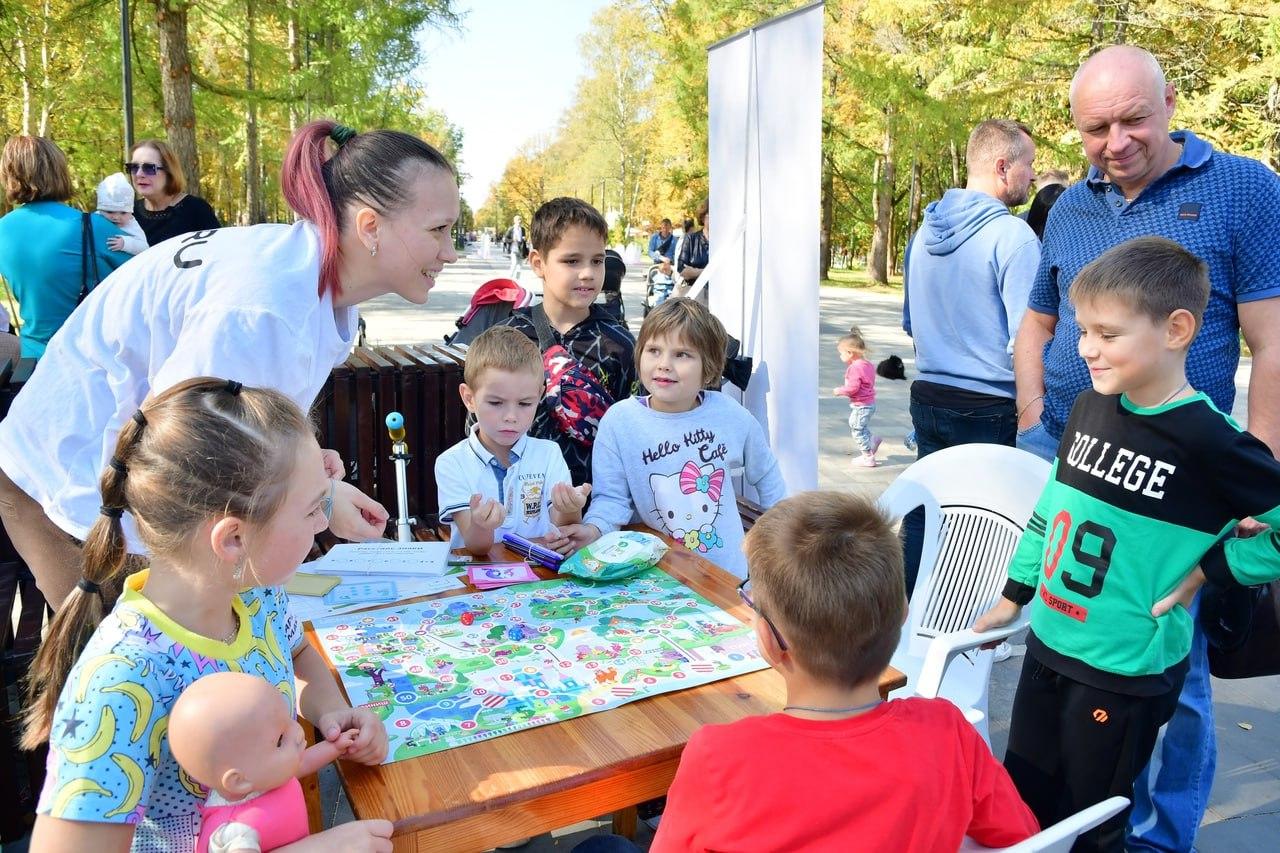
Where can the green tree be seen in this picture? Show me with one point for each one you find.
(253, 71)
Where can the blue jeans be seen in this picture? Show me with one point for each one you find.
(860, 425)
(938, 428)
(1038, 441)
(1172, 793)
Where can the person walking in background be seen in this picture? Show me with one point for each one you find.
(966, 277)
(51, 254)
(860, 387)
(115, 204)
(686, 228)
(164, 208)
(695, 254)
(1049, 185)
(516, 242)
(662, 246)
(1144, 180)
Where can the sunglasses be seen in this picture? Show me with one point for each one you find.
(744, 592)
(148, 169)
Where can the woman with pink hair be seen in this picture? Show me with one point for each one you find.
(267, 305)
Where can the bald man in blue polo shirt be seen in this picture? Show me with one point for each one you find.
(1225, 209)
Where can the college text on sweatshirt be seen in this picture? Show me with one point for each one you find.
(1137, 498)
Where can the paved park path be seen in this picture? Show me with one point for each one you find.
(1244, 812)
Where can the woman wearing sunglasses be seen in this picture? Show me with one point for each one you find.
(270, 305)
(164, 208)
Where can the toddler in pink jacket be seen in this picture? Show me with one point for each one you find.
(860, 387)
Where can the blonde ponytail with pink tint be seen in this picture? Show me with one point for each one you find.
(371, 169)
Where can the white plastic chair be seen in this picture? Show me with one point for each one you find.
(977, 499)
(1059, 837)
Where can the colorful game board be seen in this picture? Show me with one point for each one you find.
(463, 669)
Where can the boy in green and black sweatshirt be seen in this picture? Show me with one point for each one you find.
(1149, 483)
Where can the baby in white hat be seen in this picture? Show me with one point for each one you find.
(115, 202)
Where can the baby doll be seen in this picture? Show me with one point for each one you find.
(235, 734)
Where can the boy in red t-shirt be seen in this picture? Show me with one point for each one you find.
(838, 769)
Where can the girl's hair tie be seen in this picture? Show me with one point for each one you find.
(111, 511)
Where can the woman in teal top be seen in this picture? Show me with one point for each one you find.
(40, 240)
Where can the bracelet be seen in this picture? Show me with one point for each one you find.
(326, 503)
(1030, 402)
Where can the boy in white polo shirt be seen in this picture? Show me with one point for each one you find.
(499, 479)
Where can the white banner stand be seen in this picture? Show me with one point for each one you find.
(765, 164)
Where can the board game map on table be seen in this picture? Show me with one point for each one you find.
(462, 669)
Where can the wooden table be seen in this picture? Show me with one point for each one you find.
(492, 792)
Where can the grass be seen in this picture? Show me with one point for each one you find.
(861, 280)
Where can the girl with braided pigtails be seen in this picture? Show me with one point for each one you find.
(227, 490)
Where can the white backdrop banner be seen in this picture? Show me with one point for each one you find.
(765, 129)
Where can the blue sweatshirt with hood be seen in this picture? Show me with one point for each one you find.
(966, 279)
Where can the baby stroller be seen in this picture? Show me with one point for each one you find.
(492, 303)
(657, 287)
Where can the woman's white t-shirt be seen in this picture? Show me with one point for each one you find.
(235, 303)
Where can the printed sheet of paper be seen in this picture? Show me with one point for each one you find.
(410, 559)
(462, 669)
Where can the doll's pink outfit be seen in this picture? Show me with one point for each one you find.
(279, 818)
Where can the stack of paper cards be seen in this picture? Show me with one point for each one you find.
(494, 575)
(358, 591)
(312, 585)
(352, 576)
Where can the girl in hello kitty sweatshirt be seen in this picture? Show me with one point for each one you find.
(668, 458)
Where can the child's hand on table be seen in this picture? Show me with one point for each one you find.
(369, 743)
(569, 499)
(486, 514)
(571, 537)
